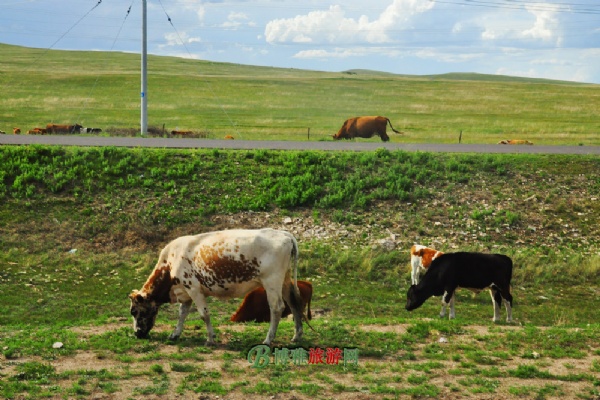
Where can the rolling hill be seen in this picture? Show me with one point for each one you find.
(101, 89)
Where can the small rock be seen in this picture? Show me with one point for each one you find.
(57, 345)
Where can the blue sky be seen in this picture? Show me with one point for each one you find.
(555, 39)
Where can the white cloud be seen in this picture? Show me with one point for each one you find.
(235, 20)
(448, 55)
(174, 39)
(546, 24)
(332, 25)
(195, 6)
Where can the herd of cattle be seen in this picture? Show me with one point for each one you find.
(352, 128)
(56, 128)
(262, 266)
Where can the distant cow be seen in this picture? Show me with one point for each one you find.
(228, 137)
(54, 128)
(223, 264)
(420, 260)
(364, 127)
(473, 271)
(515, 141)
(255, 306)
(37, 131)
(16, 131)
(90, 130)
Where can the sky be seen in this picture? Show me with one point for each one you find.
(553, 39)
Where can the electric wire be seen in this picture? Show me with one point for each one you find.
(206, 82)
(85, 103)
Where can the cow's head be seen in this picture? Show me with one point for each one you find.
(413, 299)
(144, 313)
(77, 128)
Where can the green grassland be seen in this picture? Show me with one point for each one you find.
(82, 227)
(99, 89)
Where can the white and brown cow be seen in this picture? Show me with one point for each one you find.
(223, 264)
(468, 270)
(420, 259)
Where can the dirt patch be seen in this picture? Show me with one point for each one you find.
(224, 374)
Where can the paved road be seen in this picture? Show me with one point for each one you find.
(76, 140)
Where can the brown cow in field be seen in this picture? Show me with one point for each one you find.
(255, 306)
(16, 131)
(54, 128)
(515, 141)
(37, 131)
(364, 127)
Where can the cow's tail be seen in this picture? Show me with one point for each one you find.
(390, 122)
(295, 295)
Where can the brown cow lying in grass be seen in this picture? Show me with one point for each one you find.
(255, 306)
(515, 141)
(54, 128)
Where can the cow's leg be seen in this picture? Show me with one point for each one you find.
(416, 268)
(508, 307)
(184, 310)
(294, 300)
(496, 300)
(447, 299)
(452, 300)
(200, 301)
(276, 306)
(507, 299)
(414, 276)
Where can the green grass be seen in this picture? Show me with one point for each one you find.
(81, 227)
(99, 89)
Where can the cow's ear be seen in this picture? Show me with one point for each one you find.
(136, 296)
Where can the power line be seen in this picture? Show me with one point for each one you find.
(205, 82)
(111, 49)
(534, 6)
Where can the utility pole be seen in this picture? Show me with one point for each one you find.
(144, 93)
